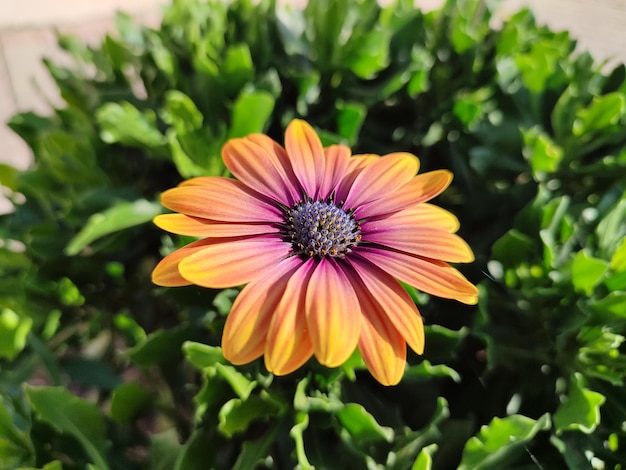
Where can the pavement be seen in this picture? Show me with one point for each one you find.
(27, 34)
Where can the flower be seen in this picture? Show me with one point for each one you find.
(321, 238)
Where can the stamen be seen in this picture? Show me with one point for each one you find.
(321, 229)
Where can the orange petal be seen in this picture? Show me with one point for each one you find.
(198, 181)
(249, 319)
(332, 313)
(222, 199)
(337, 157)
(198, 227)
(360, 161)
(306, 154)
(260, 165)
(231, 262)
(431, 276)
(381, 346)
(382, 177)
(423, 241)
(166, 272)
(424, 215)
(356, 164)
(421, 188)
(391, 298)
(288, 345)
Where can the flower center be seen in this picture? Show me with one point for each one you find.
(321, 229)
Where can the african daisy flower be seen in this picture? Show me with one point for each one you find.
(321, 238)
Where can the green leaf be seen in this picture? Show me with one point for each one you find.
(160, 347)
(501, 441)
(236, 415)
(181, 112)
(241, 385)
(612, 229)
(253, 451)
(587, 272)
(424, 460)
(16, 448)
(238, 68)
(250, 113)
(618, 260)
(8, 176)
(297, 434)
(362, 426)
(350, 118)
(371, 55)
(164, 449)
(604, 111)
(203, 355)
(72, 415)
(543, 153)
(13, 333)
(426, 370)
(581, 409)
(128, 400)
(125, 124)
(120, 216)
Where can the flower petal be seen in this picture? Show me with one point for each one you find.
(333, 314)
(306, 154)
(199, 227)
(222, 199)
(337, 157)
(423, 215)
(390, 298)
(421, 188)
(381, 346)
(288, 345)
(166, 271)
(249, 319)
(260, 165)
(431, 276)
(356, 164)
(381, 178)
(423, 241)
(230, 262)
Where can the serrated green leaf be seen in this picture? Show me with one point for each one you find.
(119, 216)
(297, 434)
(581, 409)
(72, 415)
(500, 441)
(362, 426)
(181, 112)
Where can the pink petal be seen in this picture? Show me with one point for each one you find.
(166, 271)
(423, 241)
(421, 188)
(288, 344)
(430, 276)
(222, 199)
(333, 314)
(306, 154)
(248, 322)
(423, 215)
(230, 262)
(262, 165)
(198, 227)
(337, 157)
(356, 164)
(382, 177)
(388, 297)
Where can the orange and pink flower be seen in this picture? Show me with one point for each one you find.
(321, 238)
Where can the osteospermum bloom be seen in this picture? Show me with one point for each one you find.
(321, 238)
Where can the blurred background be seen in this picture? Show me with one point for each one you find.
(27, 33)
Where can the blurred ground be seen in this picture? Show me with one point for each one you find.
(27, 33)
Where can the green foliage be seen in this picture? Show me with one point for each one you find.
(123, 374)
